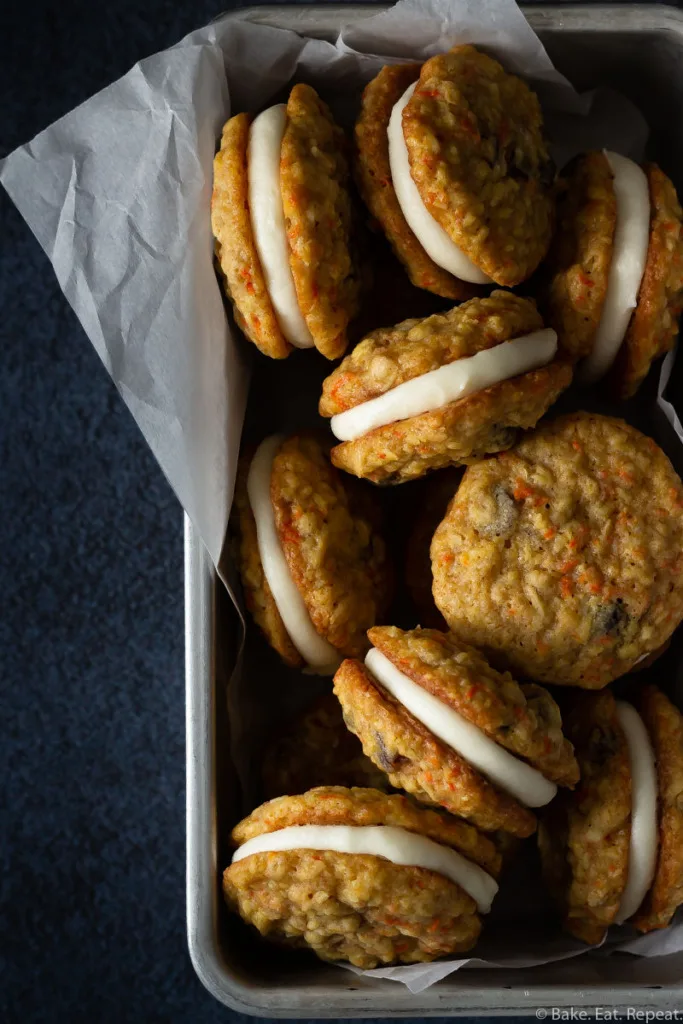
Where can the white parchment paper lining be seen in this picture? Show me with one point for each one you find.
(118, 192)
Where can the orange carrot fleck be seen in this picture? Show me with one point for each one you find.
(569, 565)
(522, 490)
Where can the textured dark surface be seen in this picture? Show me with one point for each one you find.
(92, 911)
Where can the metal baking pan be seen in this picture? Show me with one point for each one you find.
(637, 50)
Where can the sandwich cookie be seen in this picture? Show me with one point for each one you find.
(446, 727)
(356, 875)
(453, 164)
(312, 562)
(281, 216)
(611, 851)
(615, 271)
(444, 390)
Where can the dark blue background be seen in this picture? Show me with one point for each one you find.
(92, 906)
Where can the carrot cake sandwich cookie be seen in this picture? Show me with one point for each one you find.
(361, 876)
(614, 286)
(313, 564)
(443, 390)
(452, 163)
(612, 851)
(562, 559)
(451, 730)
(281, 216)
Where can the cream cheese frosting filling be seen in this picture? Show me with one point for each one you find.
(268, 222)
(629, 254)
(448, 383)
(318, 654)
(397, 845)
(429, 233)
(642, 857)
(498, 765)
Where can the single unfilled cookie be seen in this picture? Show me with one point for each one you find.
(562, 557)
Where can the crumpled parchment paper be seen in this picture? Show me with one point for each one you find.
(118, 192)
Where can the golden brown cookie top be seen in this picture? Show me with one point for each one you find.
(328, 528)
(235, 246)
(314, 180)
(477, 154)
(373, 173)
(337, 805)
(654, 324)
(581, 528)
(391, 356)
(523, 719)
(580, 257)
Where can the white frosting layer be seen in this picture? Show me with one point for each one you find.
(642, 857)
(428, 231)
(395, 844)
(321, 656)
(268, 222)
(629, 253)
(447, 384)
(501, 767)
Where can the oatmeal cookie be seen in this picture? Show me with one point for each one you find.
(329, 533)
(664, 724)
(577, 271)
(373, 174)
(561, 559)
(580, 257)
(584, 836)
(236, 251)
(317, 205)
(478, 156)
(654, 324)
(461, 431)
(357, 907)
(523, 720)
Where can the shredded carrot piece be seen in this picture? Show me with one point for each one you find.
(522, 490)
(569, 565)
